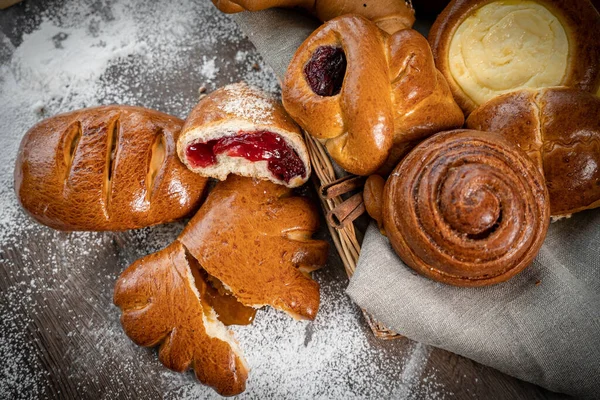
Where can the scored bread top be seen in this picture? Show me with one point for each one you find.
(256, 238)
(105, 168)
(240, 108)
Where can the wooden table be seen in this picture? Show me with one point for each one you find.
(60, 334)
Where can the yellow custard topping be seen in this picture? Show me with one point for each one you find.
(508, 45)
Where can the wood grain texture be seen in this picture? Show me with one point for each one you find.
(60, 335)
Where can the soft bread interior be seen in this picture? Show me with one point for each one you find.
(212, 326)
(508, 45)
(226, 165)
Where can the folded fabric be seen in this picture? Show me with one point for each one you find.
(542, 326)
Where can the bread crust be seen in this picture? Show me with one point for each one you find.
(162, 307)
(391, 97)
(389, 15)
(256, 238)
(466, 208)
(105, 168)
(582, 23)
(559, 129)
(240, 107)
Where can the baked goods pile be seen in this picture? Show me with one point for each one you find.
(467, 207)
(249, 244)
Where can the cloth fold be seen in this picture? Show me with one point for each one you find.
(542, 326)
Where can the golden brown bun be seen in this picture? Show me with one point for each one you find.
(241, 109)
(391, 96)
(162, 306)
(578, 31)
(373, 198)
(255, 238)
(466, 208)
(389, 15)
(559, 128)
(105, 168)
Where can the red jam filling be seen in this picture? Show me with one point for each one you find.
(325, 70)
(283, 162)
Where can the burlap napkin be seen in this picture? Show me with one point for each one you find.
(542, 326)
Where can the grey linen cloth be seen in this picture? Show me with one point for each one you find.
(542, 326)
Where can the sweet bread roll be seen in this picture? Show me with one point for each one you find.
(368, 96)
(163, 301)
(559, 128)
(105, 168)
(239, 129)
(255, 238)
(486, 48)
(389, 15)
(466, 208)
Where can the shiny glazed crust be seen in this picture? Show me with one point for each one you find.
(466, 208)
(256, 238)
(162, 307)
(389, 15)
(559, 128)
(234, 108)
(391, 97)
(581, 22)
(105, 168)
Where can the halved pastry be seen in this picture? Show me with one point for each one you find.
(239, 129)
(165, 303)
(486, 48)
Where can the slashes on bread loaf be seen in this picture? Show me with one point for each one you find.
(163, 305)
(105, 168)
(241, 130)
(255, 237)
(367, 96)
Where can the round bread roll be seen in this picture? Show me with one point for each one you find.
(389, 15)
(486, 48)
(559, 128)
(238, 129)
(466, 208)
(368, 96)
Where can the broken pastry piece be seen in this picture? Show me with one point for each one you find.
(162, 306)
(486, 48)
(239, 129)
(255, 237)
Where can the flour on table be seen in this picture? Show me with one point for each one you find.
(56, 287)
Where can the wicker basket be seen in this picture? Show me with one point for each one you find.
(344, 238)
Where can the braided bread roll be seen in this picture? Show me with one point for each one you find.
(466, 208)
(368, 96)
(389, 15)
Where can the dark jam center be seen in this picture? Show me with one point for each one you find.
(283, 162)
(325, 70)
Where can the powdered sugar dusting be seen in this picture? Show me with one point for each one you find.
(248, 102)
(60, 333)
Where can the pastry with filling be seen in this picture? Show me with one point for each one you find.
(486, 48)
(239, 129)
(389, 15)
(105, 168)
(559, 128)
(369, 97)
